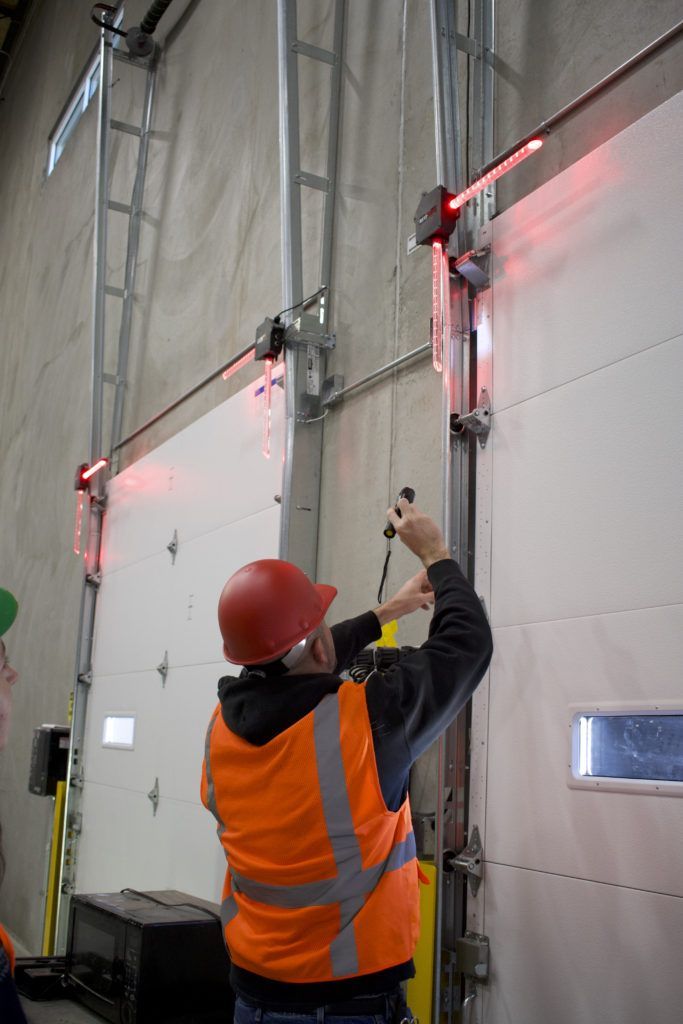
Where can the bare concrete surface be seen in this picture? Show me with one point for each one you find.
(59, 1011)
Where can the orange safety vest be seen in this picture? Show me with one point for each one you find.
(6, 942)
(322, 879)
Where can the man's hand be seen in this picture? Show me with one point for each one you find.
(419, 533)
(416, 593)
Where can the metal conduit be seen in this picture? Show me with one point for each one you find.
(546, 126)
(378, 373)
(183, 398)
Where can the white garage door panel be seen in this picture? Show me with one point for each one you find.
(221, 501)
(134, 607)
(578, 545)
(591, 234)
(567, 951)
(588, 508)
(202, 567)
(175, 849)
(195, 482)
(183, 726)
(534, 819)
(139, 694)
(161, 607)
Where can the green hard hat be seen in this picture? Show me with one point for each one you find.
(8, 610)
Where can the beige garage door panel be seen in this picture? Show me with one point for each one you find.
(566, 951)
(533, 818)
(588, 504)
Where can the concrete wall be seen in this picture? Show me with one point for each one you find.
(210, 270)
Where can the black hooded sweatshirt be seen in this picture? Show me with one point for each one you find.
(409, 706)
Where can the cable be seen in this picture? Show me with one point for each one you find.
(153, 16)
(316, 419)
(302, 303)
(384, 576)
(191, 906)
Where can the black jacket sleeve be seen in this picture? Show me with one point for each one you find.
(352, 635)
(417, 698)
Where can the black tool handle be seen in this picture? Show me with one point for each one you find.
(405, 492)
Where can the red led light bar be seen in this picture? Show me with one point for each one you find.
(79, 522)
(238, 365)
(437, 306)
(100, 464)
(496, 172)
(267, 399)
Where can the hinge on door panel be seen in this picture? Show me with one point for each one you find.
(153, 795)
(478, 421)
(172, 546)
(470, 861)
(162, 668)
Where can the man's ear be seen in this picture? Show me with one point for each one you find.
(318, 651)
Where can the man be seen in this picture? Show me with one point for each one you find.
(307, 777)
(10, 1007)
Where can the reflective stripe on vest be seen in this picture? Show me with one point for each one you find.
(352, 883)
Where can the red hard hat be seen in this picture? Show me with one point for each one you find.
(266, 608)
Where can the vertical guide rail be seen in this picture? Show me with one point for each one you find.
(449, 819)
(74, 781)
(290, 221)
(135, 217)
(303, 440)
(332, 151)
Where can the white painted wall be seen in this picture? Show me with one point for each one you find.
(212, 484)
(579, 551)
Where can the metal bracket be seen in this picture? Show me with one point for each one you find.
(85, 678)
(307, 330)
(469, 861)
(172, 546)
(472, 956)
(478, 421)
(162, 668)
(94, 579)
(331, 387)
(77, 781)
(474, 266)
(153, 795)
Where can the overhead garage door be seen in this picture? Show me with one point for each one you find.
(577, 739)
(212, 490)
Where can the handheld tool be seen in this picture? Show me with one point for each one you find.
(405, 492)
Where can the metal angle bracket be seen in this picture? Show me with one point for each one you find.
(307, 330)
(478, 421)
(332, 386)
(474, 266)
(470, 861)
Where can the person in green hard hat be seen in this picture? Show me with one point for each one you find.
(10, 1007)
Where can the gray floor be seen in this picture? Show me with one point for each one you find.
(63, 1011)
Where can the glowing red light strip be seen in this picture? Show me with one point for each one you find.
(267, 397)
(238, 365)
(79, 522)
(437, 320)
(495, 172)
(87, 473)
